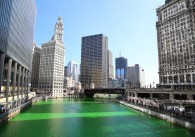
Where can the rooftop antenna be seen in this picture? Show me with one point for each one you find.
(120, 54)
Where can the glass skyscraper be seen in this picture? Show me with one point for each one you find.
(73, 70)
(94, 61)
(17, 20)
(35, 67)
(121, 68)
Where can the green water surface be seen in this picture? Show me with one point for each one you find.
(87, 118)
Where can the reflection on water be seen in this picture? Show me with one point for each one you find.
(87, 118)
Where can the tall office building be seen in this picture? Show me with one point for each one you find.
(110, 65)
(73, 70)
(121, 68)
(176, 43)
(110, 70)
(135, 77)
(65, 71)
(35, 67)
(94, 61)
(51, 73)
(17, 20)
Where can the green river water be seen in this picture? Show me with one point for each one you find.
(87, 118)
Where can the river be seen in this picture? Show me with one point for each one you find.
(87, 118)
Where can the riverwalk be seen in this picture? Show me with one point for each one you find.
(10, 113)
(169, 117)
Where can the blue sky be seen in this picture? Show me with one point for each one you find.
(128, 24)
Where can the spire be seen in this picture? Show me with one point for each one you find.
(59, 31)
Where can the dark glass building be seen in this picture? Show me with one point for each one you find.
(35, 67)
(17, 20)
(121, 68)
(94, 61)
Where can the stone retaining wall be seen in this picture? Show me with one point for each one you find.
(13, 112)
(162, 116)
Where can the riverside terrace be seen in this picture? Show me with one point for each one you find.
(181, 100)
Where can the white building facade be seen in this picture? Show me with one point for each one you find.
(51, 73)
(176, 43)
(135, 77)
(73, 70)
(110, 65)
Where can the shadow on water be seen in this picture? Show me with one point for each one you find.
(88, 127)
(87, 118)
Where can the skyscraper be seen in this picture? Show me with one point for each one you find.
(135, 77)
(17, 20)
(35, 67)
(176, 43)
(73, 70)
(110, 70)
(94, 61)
(65, 71)
(110, 65)
(51, 73)
(121, 68)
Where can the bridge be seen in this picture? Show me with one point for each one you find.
(91, 92)
(162, 94)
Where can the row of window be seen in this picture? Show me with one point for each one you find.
(188, 78)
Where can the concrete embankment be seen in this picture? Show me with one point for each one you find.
(162, 116)
(15, 111)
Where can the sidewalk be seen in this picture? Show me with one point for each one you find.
(169, 117)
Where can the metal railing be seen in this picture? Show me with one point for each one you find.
(184, 116)
(6, 113)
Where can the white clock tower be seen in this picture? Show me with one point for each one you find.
(51, 72)
(59, 31)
